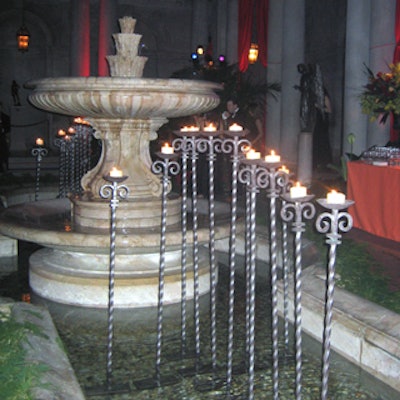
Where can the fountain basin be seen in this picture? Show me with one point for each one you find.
(115, 97)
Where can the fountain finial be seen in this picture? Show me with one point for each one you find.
(127, 62)
(127, 24)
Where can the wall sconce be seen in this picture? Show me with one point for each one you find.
(253, 53)
(23, 36)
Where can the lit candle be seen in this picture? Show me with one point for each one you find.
(167, 149)
(272, 158)
(61, 133)
(298, 191)
(253, 155)
(191, 128)
(235, 127)
(115, 173)
(39, 142)
(284, 169)
(334, 197)
(210, 127)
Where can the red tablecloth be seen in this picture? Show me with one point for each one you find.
(376, 192)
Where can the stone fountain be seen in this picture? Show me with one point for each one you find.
(126, 111)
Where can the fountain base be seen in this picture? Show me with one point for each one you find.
(82, 279)
(138, 213)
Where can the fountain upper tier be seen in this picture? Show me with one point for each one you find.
(123, 98)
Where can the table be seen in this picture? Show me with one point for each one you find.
(376, 192)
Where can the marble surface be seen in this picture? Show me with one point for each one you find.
(363, 332)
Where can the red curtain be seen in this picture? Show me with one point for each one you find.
(262, 30)
(244, 32)
(246, 9)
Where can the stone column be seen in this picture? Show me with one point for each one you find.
(232, 31)
(199, 24)
(108, 25)
(292, 55)
(80, 38)
(357, 53)
(381, 55)
(222, 34)
(274, 73)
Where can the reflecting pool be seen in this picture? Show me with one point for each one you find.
(84, 333)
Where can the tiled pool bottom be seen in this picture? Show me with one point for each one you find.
(84, 335)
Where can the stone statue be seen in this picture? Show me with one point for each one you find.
(312, 95)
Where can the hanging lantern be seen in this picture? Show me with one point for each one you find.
(253, 53)
(200, 50)
(23, 36)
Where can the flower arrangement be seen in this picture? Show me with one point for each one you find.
(381, 96)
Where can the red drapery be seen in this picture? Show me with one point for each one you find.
(396, 56)
(246, 8)
(262, 29)
(394, 134)
(244, 32)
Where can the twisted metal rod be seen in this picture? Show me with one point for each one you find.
(331, 223)
(232, 145)
(39, 153)
(181, 144)
(112, 191)
(60, 142)
(213, 264)
(294, 210)
(163, 166)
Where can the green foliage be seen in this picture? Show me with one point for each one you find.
(234, 84)
(381, 94)
(342, 168)
(358, 272)
(17, 375)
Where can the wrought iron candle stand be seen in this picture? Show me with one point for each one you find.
(188, 142)
(60, 142)
(253, 177)
(331, 223)
(276, 183)
(165, 166)
(234, 144)
(114, 192)
(182, 144)
(285, 270)
(39, 152)
(294, 210)
(71, 150)
(211, 144)
(79, 143)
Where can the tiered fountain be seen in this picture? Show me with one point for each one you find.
(125, 110)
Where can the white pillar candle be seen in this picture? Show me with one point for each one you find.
(284, 169)
(210, 128)
(116, 172)
(191, 128)
(253, 155)
(39, 142)
(272, 158)
(298, 191)
(334, 197)
(167, 149)
(235, 127)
